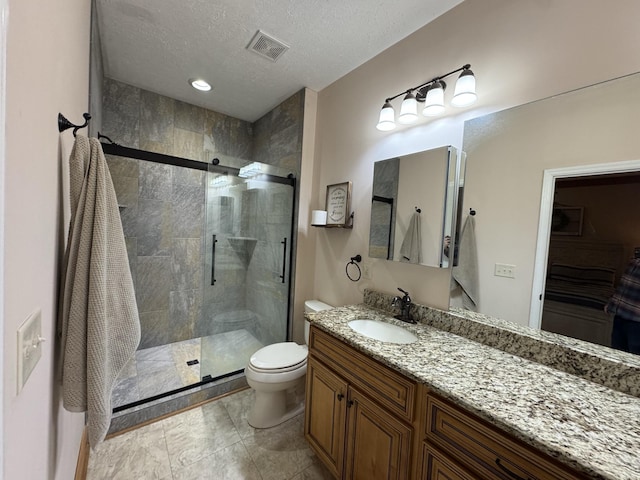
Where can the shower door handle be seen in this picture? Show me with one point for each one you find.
(284, 258)
(213, 260)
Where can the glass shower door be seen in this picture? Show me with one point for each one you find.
(247, 245)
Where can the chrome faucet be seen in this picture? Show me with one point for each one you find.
(405, 307)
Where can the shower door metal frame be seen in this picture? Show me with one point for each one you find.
(120, 151)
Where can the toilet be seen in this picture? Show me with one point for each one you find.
(274, 371)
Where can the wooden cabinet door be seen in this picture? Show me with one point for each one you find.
(378, 444)
(325, 422)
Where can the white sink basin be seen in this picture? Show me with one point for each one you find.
(385, 332)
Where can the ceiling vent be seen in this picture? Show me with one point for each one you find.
(267, 46)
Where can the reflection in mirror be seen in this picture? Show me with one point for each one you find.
(413, 207)
(581, 246)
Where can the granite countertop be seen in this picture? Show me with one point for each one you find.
(585, 425)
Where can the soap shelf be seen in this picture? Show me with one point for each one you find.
(244, 247)
(348, 225)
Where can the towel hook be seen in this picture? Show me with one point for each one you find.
(472, 212)
(64, 124)
(419, 210)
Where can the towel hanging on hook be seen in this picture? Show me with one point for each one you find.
(64, 124)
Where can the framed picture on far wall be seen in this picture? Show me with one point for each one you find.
(567, 221)
(338, 205)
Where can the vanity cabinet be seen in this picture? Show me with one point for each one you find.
(475, 449)
(367, 421)
(360, 415)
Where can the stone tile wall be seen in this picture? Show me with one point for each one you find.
(164, 209)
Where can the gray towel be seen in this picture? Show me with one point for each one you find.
(100, 329)
(465, 273)
(411, 249)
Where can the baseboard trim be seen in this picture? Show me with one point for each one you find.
(83, 457)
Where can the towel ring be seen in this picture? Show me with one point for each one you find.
(357, 258)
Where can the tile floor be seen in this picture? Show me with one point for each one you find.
(213, 441)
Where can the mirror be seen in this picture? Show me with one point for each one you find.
(413, 207)
(591, 129)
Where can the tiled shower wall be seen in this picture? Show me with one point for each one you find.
(163, 210)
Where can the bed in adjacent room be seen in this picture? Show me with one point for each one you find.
(581, 277)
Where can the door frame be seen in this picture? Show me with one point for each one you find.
(544, 225)
(4, 21)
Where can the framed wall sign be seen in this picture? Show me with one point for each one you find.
(567, 221)
(339, 205)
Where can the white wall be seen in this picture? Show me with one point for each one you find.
(519, 51)
(47, 73)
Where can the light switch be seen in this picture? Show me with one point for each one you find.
(29, 346)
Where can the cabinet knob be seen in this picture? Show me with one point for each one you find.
(340, 397)
(350, 403)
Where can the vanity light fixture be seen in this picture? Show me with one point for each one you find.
(431, 94)
(200, 84)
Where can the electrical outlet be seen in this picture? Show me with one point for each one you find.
(505, 270)
(29, 346)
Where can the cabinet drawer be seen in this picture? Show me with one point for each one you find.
(484, 449)
(386, 386)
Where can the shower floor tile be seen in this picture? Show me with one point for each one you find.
(157, 370)
(228, 352)
(212, 441)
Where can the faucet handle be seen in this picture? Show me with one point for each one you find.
(406, 298)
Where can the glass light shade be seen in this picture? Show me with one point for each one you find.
(387, 118)
(434, 101)
(408, 109)
(465, 91)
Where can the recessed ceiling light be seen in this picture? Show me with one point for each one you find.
(199, 84)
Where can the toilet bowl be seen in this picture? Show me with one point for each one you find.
(274, 372)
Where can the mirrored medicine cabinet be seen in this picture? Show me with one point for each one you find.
(414, 207)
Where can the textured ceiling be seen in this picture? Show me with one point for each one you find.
(159, 44)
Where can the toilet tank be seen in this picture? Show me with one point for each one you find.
(309, 307)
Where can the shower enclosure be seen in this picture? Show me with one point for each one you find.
(210, 254)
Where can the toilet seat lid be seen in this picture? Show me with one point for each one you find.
(279, 356)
